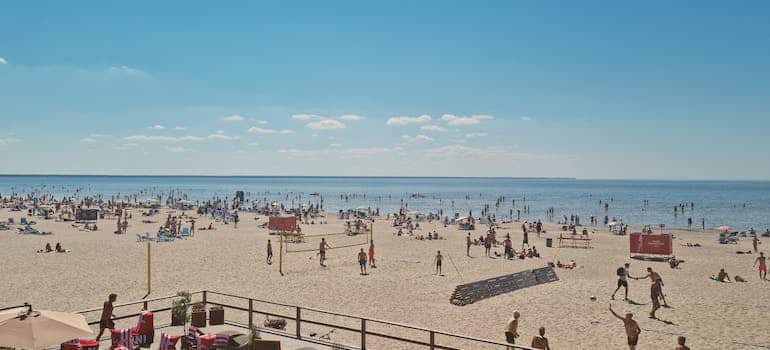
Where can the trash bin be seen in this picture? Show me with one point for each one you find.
(549, 242)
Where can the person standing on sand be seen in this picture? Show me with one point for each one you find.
(468, 245)
(632, 328)
(540, 342)
(371, 255)
(192, 227)
(322, 251)
(106, 322)
(362, 261)
(762, 262)
(680, 341)
(269, 253)
(754, 242)
(657, 284)
(622, 282)
(512, 328)
(525, 240)
(437, 261)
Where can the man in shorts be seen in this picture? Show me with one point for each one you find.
(438, 260)
(106, 322)
(468, 243)
(512, 328)
(269, 253)
(622, 282)
(632, 328)
(762, 262)
(322, 251)
(362, 261)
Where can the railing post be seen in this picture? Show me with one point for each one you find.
(145, 306)
(363, 334)
(251, 313)
(204, 297)
(432, 340)
(299, 320)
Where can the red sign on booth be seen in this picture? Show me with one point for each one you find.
(285, 224)
(651, 244)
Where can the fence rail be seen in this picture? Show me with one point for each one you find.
(297, 320)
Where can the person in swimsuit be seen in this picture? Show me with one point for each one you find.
(106, 322)
(362, 261)
(622, 282)
(269, 253)
(322, 251)
(680, 341)
(468, 243)
(762, 262)
(512, 328)
(657, 284)
(540, 342)
(371, 254)
(632, 328)
(437, 260)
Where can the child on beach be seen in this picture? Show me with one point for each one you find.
(632, 328)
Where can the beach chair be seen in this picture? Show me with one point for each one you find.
(80, 344)
(23, 221)
(168, 342)
(162, 238)
(123, 339)
(185, 232)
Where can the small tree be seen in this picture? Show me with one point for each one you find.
(180, 307)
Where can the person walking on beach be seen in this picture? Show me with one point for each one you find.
(622, 281)
(525, 240)
(512, 328)
(488, 244)
(269, 253)
(680, 343)
(632, 328)
(371, 255)
(762, 262)
(106, 322)
(437, 260)
(540, 341)
(322, 251)
(657, 284)
(754, 242)
(468, 243)
(362, 261)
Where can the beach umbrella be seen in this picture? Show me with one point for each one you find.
(724, 228)
(24, 328)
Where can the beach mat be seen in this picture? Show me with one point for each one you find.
(470, 293)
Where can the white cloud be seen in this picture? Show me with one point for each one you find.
(126, 146)
(180, 128)
(3, 61)
(404, 120)
(88, 140)
(463, 120)
(7, 140)
(262, 122)
(258, 130)
(336, 151)
(234, 118)
(172, 139)
(423, 138)
(176, 149)
(335, 145)
(526, 119)
(432, 128)
(351, 117)
(125, 70)
(326, 124)
(306, 117)
(475, 134)
(157, 127)
(253, 144)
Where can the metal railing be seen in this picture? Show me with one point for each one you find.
(298, 320)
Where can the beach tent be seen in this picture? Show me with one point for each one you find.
(87, 214)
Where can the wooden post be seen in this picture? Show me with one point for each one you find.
(299, 320)
(251, 313)
(204, 297)
(149, 269)
(363, 334)
(280, 255)
(432, 340)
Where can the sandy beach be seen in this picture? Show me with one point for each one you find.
(403, 287)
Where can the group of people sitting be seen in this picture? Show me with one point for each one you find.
(570, 265)
(723, 277)
(430, 236)
(58, 249)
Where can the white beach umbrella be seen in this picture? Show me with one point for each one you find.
(24, 328)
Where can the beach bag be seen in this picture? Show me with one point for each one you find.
(621, 271)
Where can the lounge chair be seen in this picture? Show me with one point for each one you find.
(185, 232)
(29, 230)
(162, 238)
(144, 237)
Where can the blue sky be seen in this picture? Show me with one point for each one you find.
(673, 90)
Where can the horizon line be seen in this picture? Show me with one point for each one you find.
(386, 177)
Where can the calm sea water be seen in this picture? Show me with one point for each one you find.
(741, 204)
